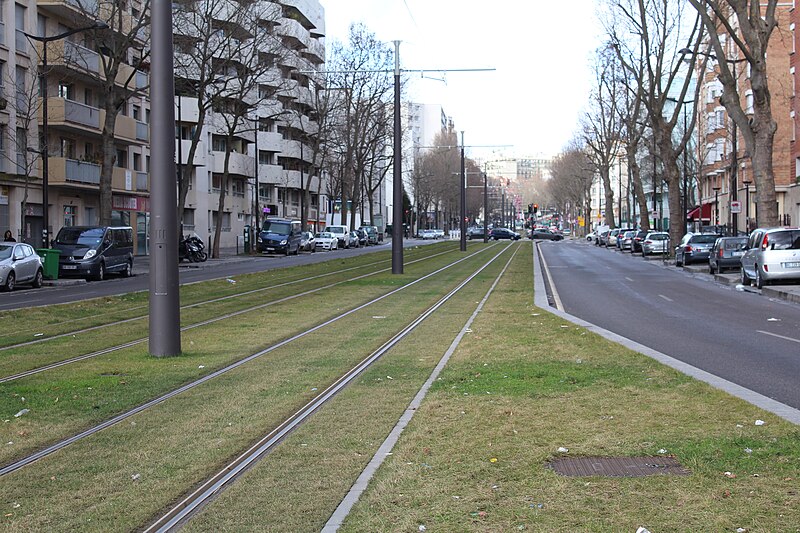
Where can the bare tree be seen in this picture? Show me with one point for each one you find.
(749, 25)
(661, 30)
(572, 173)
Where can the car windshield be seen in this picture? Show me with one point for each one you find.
(281, 228)
(734, 244)
(5, 251)
(785, 240)
(705, 239)
(324, 235)
(77, 236)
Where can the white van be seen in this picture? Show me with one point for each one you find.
(341, 233)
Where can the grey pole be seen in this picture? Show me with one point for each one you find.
(485, 208)
(165, 335)
(463, 222)
(397, 211)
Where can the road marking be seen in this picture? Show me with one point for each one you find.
(556, 298)
(779, 336)
(667, 299)
(629, 279)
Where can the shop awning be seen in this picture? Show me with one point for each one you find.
(702, 212)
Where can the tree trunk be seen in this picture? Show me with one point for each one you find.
(223, 187)
(763, 173)
(107, 167)
(609, 195)
(636, 178)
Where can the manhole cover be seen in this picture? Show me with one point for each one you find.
(618, 466)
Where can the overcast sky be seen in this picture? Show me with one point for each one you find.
(541, 49)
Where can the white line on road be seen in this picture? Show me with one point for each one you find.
(667, 299)
(553, 291)
(629, 279)
(779, 336)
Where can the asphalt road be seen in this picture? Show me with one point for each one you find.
(741, 336)
(188, 273)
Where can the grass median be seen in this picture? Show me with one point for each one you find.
(525, 384)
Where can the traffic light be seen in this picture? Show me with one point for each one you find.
(535, 208)
(530, 208)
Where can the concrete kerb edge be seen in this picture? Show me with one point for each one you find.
(786, 412)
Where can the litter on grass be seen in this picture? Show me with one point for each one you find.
(561, 449)
(759, 422)
(23, 412)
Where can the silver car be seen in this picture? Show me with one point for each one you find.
(655, 242)
(772, 254)
(19, 263)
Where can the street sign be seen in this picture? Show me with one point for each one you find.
(736, 206)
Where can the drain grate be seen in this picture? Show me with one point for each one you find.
(617, 466)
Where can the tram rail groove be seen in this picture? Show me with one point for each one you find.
(193, 305)
(186, 508)
(135, 342)
(49, 450)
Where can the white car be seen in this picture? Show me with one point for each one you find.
(19, 263)
(325, 240)
(427, 234)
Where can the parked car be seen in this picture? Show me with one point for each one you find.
(545, 234)
(594, 236)
(363, 238)
(612, 238)
(602, 238)
(352, 240)
(626, 242)
(655, 242)
(372, 234)
(325, 240)
(279, 236)
(503, 233)
(772, 254)
(636, 242)
(475, 232)
(727, 252)
(93, 251)
(341, 233)
(19, 263)
(427, 234)
(307, 242)
(439, 233)
(694, 248)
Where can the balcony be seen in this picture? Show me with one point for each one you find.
(271, 174)
(76, 10)
(142, 181)
(185, 145)
(63, 170)
(68, 55)
(239, 164)
(270, 141)
(81, 118)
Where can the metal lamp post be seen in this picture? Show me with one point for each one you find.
(716, 205)
(747, 183)
(98, 25)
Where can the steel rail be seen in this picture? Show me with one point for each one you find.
(20, 463)
(57, 364)
(189, 306)
(176, 516)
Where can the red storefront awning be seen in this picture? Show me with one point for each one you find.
(700, 213)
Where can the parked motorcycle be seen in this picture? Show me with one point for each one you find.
(192, 249)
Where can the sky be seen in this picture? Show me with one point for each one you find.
(541, 49)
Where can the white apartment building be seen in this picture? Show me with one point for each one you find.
(268, 161)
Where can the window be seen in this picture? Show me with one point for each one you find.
(719, 118)
(238, 187)
(188, 219)
(67, 148)
(265, 124)
(216, 182)
(88, 97)
(137, 113)
(264, 157)
(137, 161)
(265, 191)
(218, 143)
(69, 215)
(122, 158)
(90, 216)
(66, 90)
(748, 98)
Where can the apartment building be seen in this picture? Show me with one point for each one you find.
(68, 87)
(721, 148)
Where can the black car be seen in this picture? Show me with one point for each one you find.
(279, 236)
(503, 233)
(545, 234)
(694, 247)
(636, 242)
(727, 252)
(93, 251)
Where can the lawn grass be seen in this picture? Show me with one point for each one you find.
(142, 464)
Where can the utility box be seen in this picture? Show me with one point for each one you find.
(49, 262)
(247, 238)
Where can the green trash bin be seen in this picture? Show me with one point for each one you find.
(49, 262)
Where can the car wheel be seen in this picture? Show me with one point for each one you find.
(128, 270)
(760, 281)
(101, 272)
(711, 268)
(678, 262)
(37, 279)
(11, 281)
(745, 278)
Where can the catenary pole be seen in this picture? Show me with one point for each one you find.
(462, 226)
(165, 339)
(397, 186)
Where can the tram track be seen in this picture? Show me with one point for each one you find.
(141, 340)
(179, 514)
(28, 459)
(47, 338)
